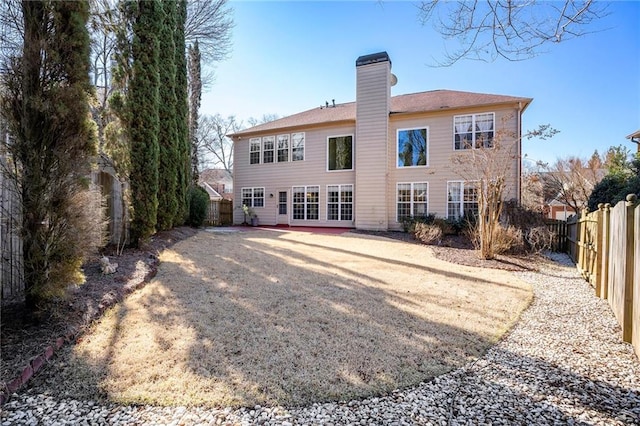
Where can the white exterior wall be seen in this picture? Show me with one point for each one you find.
(278, 176)
(372, 126)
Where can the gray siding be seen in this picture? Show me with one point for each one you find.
(372, 127)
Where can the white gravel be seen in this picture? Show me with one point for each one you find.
(563, 363)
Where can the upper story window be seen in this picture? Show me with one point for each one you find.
(254, 151)
(283, 148)
(473, 131)
(297, 147)
(340, 153)
(267, 148)
(412, 147)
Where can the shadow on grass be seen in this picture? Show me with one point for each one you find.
(237, 320)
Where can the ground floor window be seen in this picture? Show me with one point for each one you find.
(462, 199)
(339, 202)
(253, 197)
(306, 202)
(412, 200)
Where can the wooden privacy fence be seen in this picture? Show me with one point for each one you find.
(605, 245)
(558, 230)
(219, 213)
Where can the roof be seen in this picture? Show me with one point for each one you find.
(634, 136)
(435, 100)
(213, 194)
(215, 176)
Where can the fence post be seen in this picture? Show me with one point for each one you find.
(627, 322)
(582, 237)
(597, 278)
(606, 248)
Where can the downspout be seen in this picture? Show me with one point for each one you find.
(519, 153)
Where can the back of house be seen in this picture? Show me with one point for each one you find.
(371, 163)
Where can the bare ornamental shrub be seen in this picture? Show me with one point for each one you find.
(539, 238)
(428, 234)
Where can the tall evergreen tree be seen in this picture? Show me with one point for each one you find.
(46, 106)
(143, 105)
(195, 95)
(168, 137)
(182, 116)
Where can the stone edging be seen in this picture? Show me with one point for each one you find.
(39, 361)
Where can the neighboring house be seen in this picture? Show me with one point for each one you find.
(635, 138)
(213, 194)
(369, 163)
(220, 180)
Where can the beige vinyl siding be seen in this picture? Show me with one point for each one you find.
(372, 117)
(277, 176)
(440, 169)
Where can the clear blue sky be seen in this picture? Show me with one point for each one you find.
(292, 56)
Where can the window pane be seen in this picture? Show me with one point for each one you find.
(283, 148)
(346, 212)
(412, 147)
(463, 131)
(340, 153)
(332, 211)
(254, 151)
(297, 144)
(267, 149)
(282, 202)
(453, 197)
(484, 130)
(298, 202)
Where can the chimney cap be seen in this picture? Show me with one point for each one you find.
(373, 58)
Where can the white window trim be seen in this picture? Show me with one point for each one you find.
(259, 141)
(352, 153)
(340, 203)
(253, 197)
(304, 146)
(398, 152)
(461, 206)
(305, 201)
(473, 132)
(277, 160)
(411, 202)
(273, 150)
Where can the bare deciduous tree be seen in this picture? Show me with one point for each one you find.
(512, 29)
(570, 180)
(488, 167)
(213, 141)
(210, 23)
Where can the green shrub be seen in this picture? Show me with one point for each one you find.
(409, 222)
(198, 206)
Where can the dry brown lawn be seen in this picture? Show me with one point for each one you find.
(269, 317)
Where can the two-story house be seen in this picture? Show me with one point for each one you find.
(369, 163)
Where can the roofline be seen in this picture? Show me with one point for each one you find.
(634, 137)
(242, 134)
(285, 129)
(526, 101)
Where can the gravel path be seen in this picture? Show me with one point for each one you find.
(563, 363)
